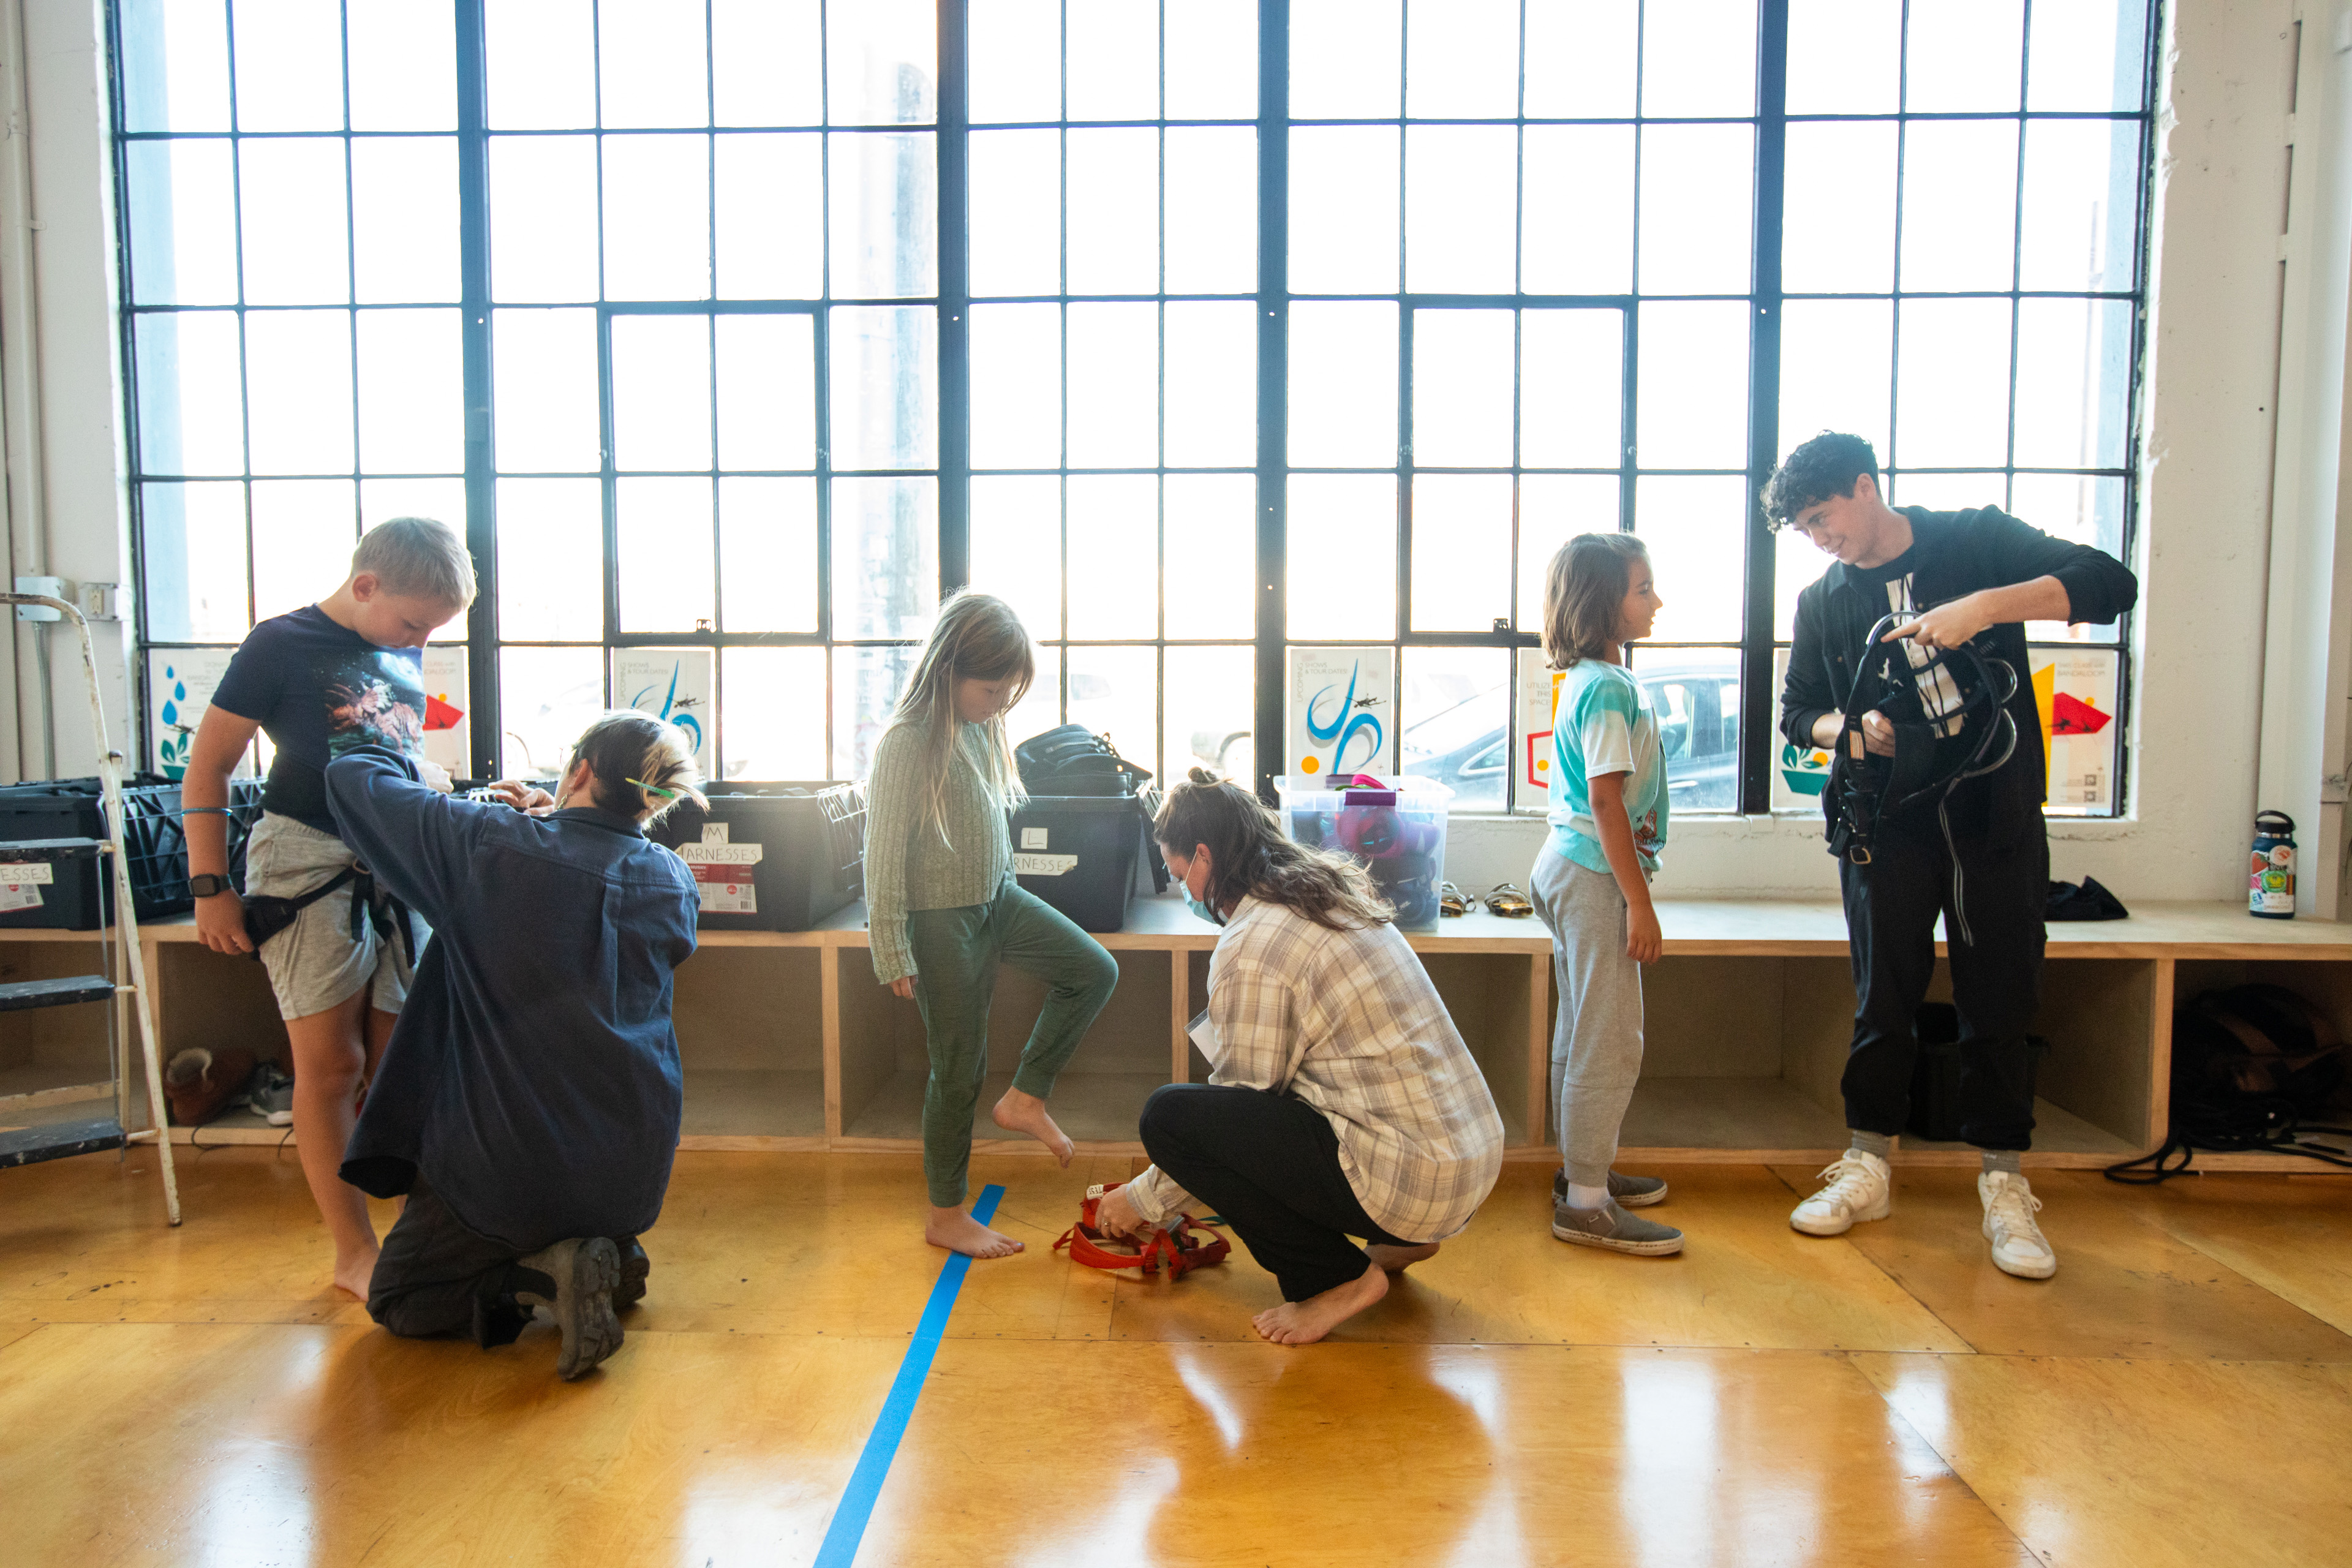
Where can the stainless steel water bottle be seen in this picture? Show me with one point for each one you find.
(2270, 888)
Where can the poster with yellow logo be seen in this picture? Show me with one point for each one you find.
(1340, 717)
(1537, 687)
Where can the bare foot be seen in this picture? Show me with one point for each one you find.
(1303, 1322)
(1397, 1260)
(1019, 1112)
(353, 1272)
(956, 1230)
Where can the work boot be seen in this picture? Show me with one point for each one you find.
(635, 1266)
(585, 1270)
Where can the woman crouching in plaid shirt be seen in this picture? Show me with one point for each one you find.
(1341, 1102)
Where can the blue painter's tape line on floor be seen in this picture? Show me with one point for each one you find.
(848, 1528)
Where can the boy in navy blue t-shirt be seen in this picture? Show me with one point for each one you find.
(346, 671)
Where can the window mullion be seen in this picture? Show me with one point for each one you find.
(1757, 730)
(485, 728)
(1272, 382)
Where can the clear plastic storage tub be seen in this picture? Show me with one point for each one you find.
(1395, 829)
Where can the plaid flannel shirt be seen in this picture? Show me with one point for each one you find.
(1348, 1021)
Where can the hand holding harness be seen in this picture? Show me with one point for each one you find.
(1176, 1247)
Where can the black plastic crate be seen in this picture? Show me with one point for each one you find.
(771, 857)
(1079, 853)
(1936, 1077)
(151, 833)
(64, 876)
(243, 816)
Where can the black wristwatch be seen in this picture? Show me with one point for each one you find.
(206, 885)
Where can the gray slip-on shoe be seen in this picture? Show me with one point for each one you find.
(1631, 1192)
(1611, 1228)
(585, 1270)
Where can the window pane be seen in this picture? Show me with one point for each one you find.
(1698, 58)
(1211, 400)
(2074, 383)
(1553, 509)
(1837, 370)
(1462, 388)
(1113, 50)
(1040, 708)
(1845, 56)
(2091, 55)
(1963, 55)
(655, 63)
(2080, 205)
(192, 537)
(1571, 388)
(1461, 208)
(770, 194)
(767, 541)
(1343, 384)
(1211, 236)
(1015, 51)
(886, 558)
(404, 219)
(1211, 555)
(542, 64)
(1951, 400)
(1578, 236)
(1341, 582)
(865, 686)
(1016, 212)
(1210, 71)
(1581, 61)
(1456, 716)
(1693, 387)
(403, 64)
(664, 561)
(550, 561)
(880, 60)
(296, 240)
(1210, 696)
(1795, 566)
(1017, 547)
(542, 217)
(381, 501)
(175, 66)
(2085, 508)
(1962, 237)
(289, 65)
(1695, 694)
(1838, 225)
(1016, 387)
(1343, 210)
(1696, 531)
(884, 363)
(183, 221)
(1115, 692)
(546, 696)
(1698, 196)
(1461, 551)
(771, 712)
(661, 392)
(1946, 492)
(297, 387)
(1346, 59)
(191, 402)
(656, 217)
(411, 389)
(1114, 555)
(1114, 356)
(1113, 239)
(767, 391)
(885, 212)
(304, 532)
(1462, 60)
(544, 397)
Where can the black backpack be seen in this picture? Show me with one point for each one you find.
(2253, 1068)
(1073, 759)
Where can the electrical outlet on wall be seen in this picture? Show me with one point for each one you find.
(104, 601)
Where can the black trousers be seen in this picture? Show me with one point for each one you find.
(1891, 907)
(435, 1275)
(1268, 1164)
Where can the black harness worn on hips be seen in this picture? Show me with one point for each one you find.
(266, 916)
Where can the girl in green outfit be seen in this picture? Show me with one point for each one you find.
(945, 911)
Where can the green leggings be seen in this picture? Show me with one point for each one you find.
(956, 954)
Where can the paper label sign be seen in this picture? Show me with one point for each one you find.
(708, 854)
(23, 871)
(714, 833)
(1044, 865)
(13, 897)
(719, 890)
(1033, 838)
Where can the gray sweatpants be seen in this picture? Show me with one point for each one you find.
(1596, 1046)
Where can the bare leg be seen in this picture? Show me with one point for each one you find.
(330, 1055)
(1019, 1112)
(955, 1229)
(1397, 1260)
(1303, 1322)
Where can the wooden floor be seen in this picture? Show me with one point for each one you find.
(2180, 1393)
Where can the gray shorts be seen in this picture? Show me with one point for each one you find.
(314, 964)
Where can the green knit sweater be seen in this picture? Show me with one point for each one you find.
(907, 866)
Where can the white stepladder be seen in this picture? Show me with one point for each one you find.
(31, 1145)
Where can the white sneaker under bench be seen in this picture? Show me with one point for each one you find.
(1857, 1190)
(2019, 1246)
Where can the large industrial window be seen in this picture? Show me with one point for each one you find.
(733, 330)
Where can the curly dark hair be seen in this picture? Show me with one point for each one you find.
(1826, 466)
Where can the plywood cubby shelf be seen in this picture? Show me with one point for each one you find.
(788, 1043)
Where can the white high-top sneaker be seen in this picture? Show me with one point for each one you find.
(2019, 1246)
(1857, 1190)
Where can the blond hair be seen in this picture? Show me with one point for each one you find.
(1585, 597)
(626, 751)
(976, 637)
(418, 558)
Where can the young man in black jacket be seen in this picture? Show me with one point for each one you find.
(1947, 578)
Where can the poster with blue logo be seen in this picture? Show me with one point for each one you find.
(672, 683)
(1339, 719)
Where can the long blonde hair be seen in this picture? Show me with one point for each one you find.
(976, 637)
(1585, 597)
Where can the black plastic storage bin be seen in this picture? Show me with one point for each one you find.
(76, 808)
(70, 900)
(771, 857)
(1079, 853)
(1935, 1079)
